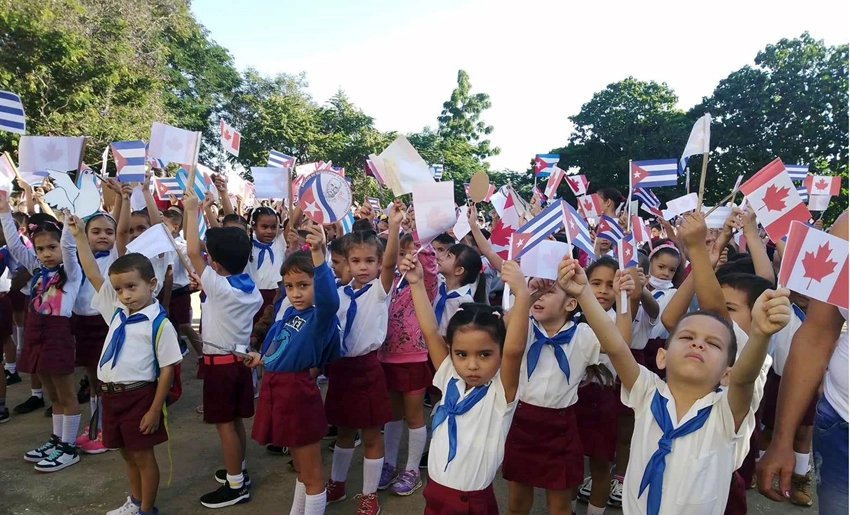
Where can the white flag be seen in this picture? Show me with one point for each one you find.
(270, 182)
(42, 153)
(680, 205)
(434, 207)
(462, 227)
(543, 259)
(402, 167)
(152, 242)
(174, 145)
(699, 140)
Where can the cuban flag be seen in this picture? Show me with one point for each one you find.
(797, 172)
(577, 232)
(543, 164)
(129, 160)
(347, 223)
(375, 203)
(167, 186)
(12, 117)
(540, 195)
(372, 171)
(804, 194)
(313, 198)
(280, 160)
(654, 173)
(437, 171)
(152, 161)
(202, 182)
(646, 196)
(609, 229)
(536, 230)
(627, 252)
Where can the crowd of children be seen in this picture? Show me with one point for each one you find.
(666, 376)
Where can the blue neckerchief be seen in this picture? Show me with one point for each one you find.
(799, 312)
(657, 294)
(119, 336)
(653, 474)
(451, 408)
(97, 255)
(562, 338)
(352, 310)
(440, 307)
(264, 247)
(242, 282)
(338, 283)
(42, 274)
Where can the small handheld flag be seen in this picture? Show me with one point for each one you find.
(640, 231)
(698, 141)
(578, 184)
(230, 138)
(536, 230)
(437, 171)
(12, 117)
(543, 164)
(590, 205)
(280, 160)
(129, 160)
(815, 264)
(823, 184)
(556, 175)
(653, 173)
(775, 199)
(609, 229)
(646, 196)
(576, 228)
(797, 172)
(167, 186)
(627, 252)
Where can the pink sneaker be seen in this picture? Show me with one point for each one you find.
(83, 438)
(94, 446)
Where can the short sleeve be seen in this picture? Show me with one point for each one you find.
(212, 283)
(167, 349)
(588, 344)
(640, 396)
(441, 378)
(105, 301)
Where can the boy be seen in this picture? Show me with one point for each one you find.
(232, 299)
(136, 366)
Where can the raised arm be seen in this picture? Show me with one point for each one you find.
(708, 290)
(193, 238)
(624, 281)
(483, 245)
(150, 203)
(762, 263)
(223, 195)
(517, 329)
(87, 260)
(437, 348)
(23, 255)
(679, 303)
(209, 215)
(327, 299)
(391, 252)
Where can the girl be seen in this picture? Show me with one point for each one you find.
(357, 395)
(404, 358)
(269, 247)
(464, 282)
(304, 336)
(48, 343)
(478, 370)
(664, 261)
(610, 199)
(552, 371)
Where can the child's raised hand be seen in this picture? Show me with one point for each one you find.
(208, 200)
(571, 276)
(146, 184)
(74, 225)
(126, 190)
(315, 237)
(472, 215)
(623, 281)
(220, 183)
(748, 221)
(693, 230)
(411, 268)
(733, 222)
(190, 201)
(513, 277)
(772, 311)
(396, 214)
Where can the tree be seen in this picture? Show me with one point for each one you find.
(461, 118)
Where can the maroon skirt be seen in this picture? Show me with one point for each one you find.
(268, 300)
(228, 391)
(90, 334)
(289, 411)
(442, 500)
(771, 395)
(48, 345)
(357, 393)
(544, 448)
(122, 414)
(19, 301)
(180, 306)
(6, 321)
(596, 414)
(408, 377)
(736, 503)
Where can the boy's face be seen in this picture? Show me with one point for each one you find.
(138, 225)
(697, 353)
(237, 224)
(299, 289)
(440, 249)
(340, 268)
(738, 307)
(132, 290)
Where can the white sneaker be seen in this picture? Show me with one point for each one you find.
(584, 491)
(127, 509)
(63, 456)
(615, 498)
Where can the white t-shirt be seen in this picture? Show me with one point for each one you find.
(481, 436)
(82, 306)
(780, 343)
(548, 387)
(658, 330)
(179, 274)
(136, 360)
(452, 305)
(267, 277)
(698, 470)
(836, 382)
(160, 268)
(369, 329)
(228, 315)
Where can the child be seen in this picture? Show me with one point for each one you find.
(441, 245)
(478, 370)
(462, 269)
(664, 261)
(48, 343)
(135, 369)
(269, 247)
(232, 300)
(304, 336)
(180, 301)
(357, 395)
(687, 429)
(404, 358)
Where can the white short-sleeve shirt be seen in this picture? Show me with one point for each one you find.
(267, 277)
(658, 330)
(369, 329)
(697, 473)
(548, 386)
(179, 274)
(780, 343)
(228, 313)
(452, 305)
(136, 360)
(82, 306)
(481, 436)
(160, 268)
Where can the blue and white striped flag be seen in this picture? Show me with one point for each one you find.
(280, 160)
(129, 160)
(654, 173)
(202, 225)
(437, 172)
(200, 185)
(167, 186)
(646, 196)
(536, 230)
(347, 223)
(12, 117)
(578, 234)
(804, 193)
(609, 229)
(797, 172)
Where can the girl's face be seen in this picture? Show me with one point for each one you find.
(265, 228)
(475, 355)
(340, 267)
(299, 289)
(404, 250)
(663, 266)
(138, 225)
(101, 234)
(440, 249)
(47, 249)
(363, 263)
(602, 284)
(607, 205)
(553, 305)
(447, 265)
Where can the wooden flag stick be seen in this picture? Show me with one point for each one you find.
(190, 181)
(702, 180)
(12, 164)
(726, 198)
(177, 249)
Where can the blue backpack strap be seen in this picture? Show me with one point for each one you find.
(156, 332)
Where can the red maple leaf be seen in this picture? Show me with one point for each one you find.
(588, 206)
(573, 184)
(818, 265)
(821, 184)
(774, 198)
(226, 135)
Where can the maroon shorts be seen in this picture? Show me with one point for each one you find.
(228, 390)
(543, 449)
(90, 334)
(48, 345)
(122, 414)
(408, 377)
(650, 352)
(596, 414)
(19, 301)
(771, 395)
(736, 504)
(290, 411)
(6, 322)
(180, 306)
(357, 393)
(268, 300)
(442, 500)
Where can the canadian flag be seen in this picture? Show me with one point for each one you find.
(555, 178)
(230, 139)
(775, 199)
(579, 184)
(640, 230)
(815, 264)
(500, 236)
(822, 184)
(590, 205)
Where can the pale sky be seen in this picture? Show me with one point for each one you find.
(538, 60)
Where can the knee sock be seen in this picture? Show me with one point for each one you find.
(19, 338)
(235, 481)
(415, 447)
(801, 463)
(315, 504)
(58, 424)
(11, 367)
(342, 460)
(299, 499)
(595, 510)
(392, 437)
(37, 392)
(70, 425)
(371, 474)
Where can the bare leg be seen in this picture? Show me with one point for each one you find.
(231, 447)
(64, 389)
(625, 428)
(149, 473)
(133, 475)
(559, 502)
(373, 443)
(600, 472)
(308, 461)
(520, 498)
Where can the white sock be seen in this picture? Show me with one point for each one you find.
(392, 438)
(415, 447)
(315, 504)
(299, 499)
(70, 426)
(244, 467)
(594, 510)
(372, 475)
(19, 338)
(801, 463)
(11, 367)
(342, 460)
(575, 505)
(38, 392)
(58, 423)
(761, 453)
(235, 481)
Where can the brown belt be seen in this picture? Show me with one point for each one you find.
(122, 388)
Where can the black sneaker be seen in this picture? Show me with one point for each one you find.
(83, 394)
(277, 451)
(226, 496)
(4, 416)
(423, 462)
(221, 477)
(29, 405)
(332, 433)
(12, 378)
(64, 455)
(39, 453)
